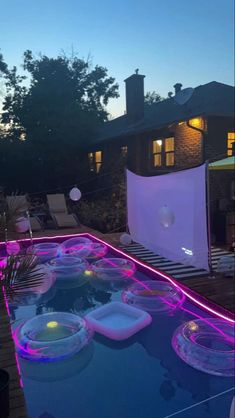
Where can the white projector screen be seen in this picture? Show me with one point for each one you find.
(167, 214)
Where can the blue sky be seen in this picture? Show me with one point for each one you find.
(169, 41)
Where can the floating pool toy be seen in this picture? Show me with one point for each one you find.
(76, 246)
(113, 268)
(44, 251)
(69, 270)
(52, 336)
(207, 345)
(117, 320)
(153, 296)
(97, 250)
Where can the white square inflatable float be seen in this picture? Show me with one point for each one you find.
(117, 320)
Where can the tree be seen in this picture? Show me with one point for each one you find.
(152, 97)
(58, 113)
(64, 103)
(3, 66)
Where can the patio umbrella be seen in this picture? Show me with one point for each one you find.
(225, 164)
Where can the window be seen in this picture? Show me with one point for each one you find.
(157, 152)
(170, 151)
(163, 152)
(95, 160)
(124, 150)
(230, 141)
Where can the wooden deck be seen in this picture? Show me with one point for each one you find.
(8, 362)
(219, 290)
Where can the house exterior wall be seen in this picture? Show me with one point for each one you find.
(188, 147)
(191, 146)
(216, 141)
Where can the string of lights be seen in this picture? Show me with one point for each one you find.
(108, 173)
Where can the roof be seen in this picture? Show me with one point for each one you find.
(209, 99)
(225, 164)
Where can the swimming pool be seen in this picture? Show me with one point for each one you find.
(140, 377)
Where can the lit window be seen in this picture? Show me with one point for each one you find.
(170, 151)
(230, 141)
(98, 160)
(163, 152)
(124, 150)
(95, 161)
(157, 152)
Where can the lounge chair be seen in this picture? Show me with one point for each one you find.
(226, 266)
(20, 204)
(59, 211)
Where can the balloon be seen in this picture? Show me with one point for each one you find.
(166, 216)
(125, 239)
(13, 248)
(22, 224)
(75, 194)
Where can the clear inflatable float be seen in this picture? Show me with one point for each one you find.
(113, 268)
(79, 247)
(69, 271)
(44, 251)
(207, 345)
(153, 296)
(52, 336)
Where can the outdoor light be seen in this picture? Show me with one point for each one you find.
(22, 224)
(75, 194)
(125, 239)
(196, 122)
(12, 247)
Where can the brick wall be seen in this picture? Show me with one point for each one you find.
(188, 147)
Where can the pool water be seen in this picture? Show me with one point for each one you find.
(141, 377)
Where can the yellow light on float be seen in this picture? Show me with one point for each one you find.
(52, 324)
(88, 273)
(192, 326)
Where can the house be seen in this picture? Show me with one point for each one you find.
(182, 131)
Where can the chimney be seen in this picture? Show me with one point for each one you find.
(177, 87)
(135, 97)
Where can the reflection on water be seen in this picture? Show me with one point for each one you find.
(58, 370)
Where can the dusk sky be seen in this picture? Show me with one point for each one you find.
(169, 41)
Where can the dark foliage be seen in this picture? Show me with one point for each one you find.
(47, 125)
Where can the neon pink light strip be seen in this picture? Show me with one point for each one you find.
(140, 263)
(195, 300)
